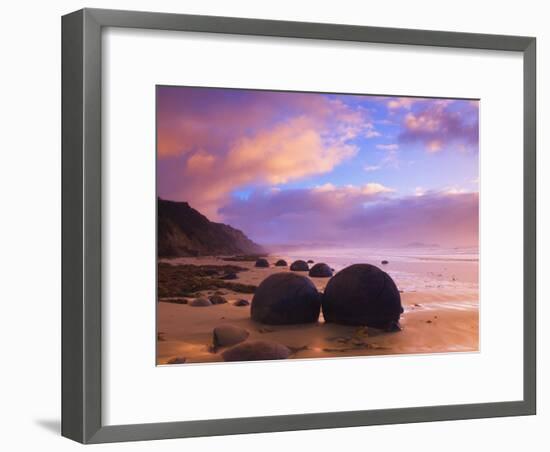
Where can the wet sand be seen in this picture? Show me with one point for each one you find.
(441, 315)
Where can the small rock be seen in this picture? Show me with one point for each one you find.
(384, 262)
(299, 266)
(256, 351)
(320, 271)
(200, 302)
(310, 261)
(228, 335)
(217, 299)
(261, 263)
(281, 263)
(229, 276)
(177, 360)
(428, 321)
(241, 302)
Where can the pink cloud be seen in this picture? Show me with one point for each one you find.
(358, 216)
(439, 125)
(401, 102)
(216, 143)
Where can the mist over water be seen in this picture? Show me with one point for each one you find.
(412, 268)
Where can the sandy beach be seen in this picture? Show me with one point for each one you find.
(439, 297)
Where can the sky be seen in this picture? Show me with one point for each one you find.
(313, 168)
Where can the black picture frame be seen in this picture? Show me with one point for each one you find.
(81, 224)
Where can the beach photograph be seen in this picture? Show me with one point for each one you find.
(299, 225)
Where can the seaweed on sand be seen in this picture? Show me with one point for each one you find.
(187, 280)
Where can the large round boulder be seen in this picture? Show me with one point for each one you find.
(320, 271)
(256, 351)
(281, 263)
(299, 266)
(362, 294)
(262, 263)
(285, 299)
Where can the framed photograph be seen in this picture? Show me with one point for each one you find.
(274, 225)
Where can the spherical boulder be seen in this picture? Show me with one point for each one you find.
(299, 266)
(320, 271)
(362, 294)
(225, 335)
(200, 302)
(310, 261)
(261, 263)
(285, 299)
(281, 263)
(256, 351)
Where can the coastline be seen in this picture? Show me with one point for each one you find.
(440, 301)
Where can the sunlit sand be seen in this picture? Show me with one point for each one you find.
(439, 296)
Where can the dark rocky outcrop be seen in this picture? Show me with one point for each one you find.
(191, 280)
(183, 231)
(286, 298)
(262, 263)
(256, 351)
(362, 294)
(299, 266)
(320, 270)
(281, 263)
(225, 335)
